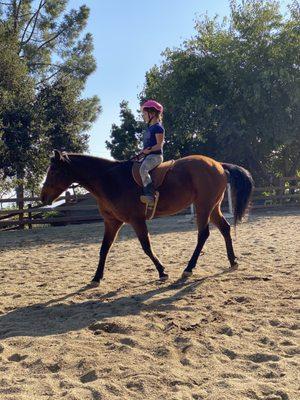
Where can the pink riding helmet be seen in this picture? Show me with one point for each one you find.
(153, 104)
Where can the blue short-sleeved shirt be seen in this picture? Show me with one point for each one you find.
(149, 138)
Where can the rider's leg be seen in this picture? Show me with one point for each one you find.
(149, 163)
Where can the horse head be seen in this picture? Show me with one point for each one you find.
(58, 178)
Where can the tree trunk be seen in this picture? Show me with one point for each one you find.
(20, 203)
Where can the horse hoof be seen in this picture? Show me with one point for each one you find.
(164, 277)
(93, 284)
(234, 265)
(186, 274)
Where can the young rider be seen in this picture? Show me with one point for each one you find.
(153, 142)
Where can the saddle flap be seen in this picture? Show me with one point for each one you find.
(158, 174)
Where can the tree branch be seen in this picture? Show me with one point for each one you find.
(50, 76)
(38, 41)
(41, 5)
(44, 64)
(35, 18)
(52, 38)
(14, 4)
(16, 10)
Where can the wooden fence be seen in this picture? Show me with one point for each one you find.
(286, 193)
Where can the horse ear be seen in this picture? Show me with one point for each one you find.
(57, 155)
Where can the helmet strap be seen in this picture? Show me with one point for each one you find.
(149, 119)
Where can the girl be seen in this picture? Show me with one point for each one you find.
(153, 142)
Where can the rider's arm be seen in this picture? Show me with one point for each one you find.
(160, 137)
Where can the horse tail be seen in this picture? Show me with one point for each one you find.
(242, 186)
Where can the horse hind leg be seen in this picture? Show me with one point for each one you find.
(220, 222)
(202, 216)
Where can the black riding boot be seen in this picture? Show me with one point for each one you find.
(149, 194)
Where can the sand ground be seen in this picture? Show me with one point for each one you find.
(221, 335)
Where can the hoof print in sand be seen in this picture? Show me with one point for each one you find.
(109, 327)
(128, 342)
(89, 377)
(162, 351)
(242, 299)
(267, 341)
(261, 357)
(225, 330)
(229, 353)
(17, 357)
(185, 361)
(54, 368)
(279, 395)
(135, 385)
(283, 343)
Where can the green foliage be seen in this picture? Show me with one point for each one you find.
(66, 116)
(232, 91)
(6, 186)
(17, 97)
(126, 138)
(45, 61)
(53, 214)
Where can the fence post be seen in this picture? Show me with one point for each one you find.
(282, 184)
(29, 217)
(68, 198)
(20, 204)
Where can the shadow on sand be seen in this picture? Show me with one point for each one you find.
(54, 317)
(86, 234)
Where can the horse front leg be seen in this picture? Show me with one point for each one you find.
(141, 231)
(203, 233)
(112, 227)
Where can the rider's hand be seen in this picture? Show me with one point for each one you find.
(147, 150)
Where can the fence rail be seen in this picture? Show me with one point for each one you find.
(286, 193)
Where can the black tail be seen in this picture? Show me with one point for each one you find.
(242, 186)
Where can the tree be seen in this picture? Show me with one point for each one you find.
(49, 39)
(45, 66)
(125, 139)
(232, 91)
(16, 108)
(66, 115)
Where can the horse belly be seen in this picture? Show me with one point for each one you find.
(171, 209)
(174, 195)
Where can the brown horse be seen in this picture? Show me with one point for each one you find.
(194, 180)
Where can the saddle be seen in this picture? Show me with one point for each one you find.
(158, 174)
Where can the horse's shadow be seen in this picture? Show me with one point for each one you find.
(54, 317)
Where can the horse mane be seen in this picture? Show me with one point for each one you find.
(93, 165)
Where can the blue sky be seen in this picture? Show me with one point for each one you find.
(129, 37)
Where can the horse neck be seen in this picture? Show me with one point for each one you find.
(89, 171)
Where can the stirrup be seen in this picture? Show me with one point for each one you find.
(146, 199)
(151, 208)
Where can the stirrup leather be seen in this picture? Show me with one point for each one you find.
(151, 208)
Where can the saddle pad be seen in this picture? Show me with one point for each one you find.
(157, 174)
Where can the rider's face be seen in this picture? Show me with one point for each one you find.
(147, 116)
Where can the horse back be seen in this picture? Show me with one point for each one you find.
(196, 174)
